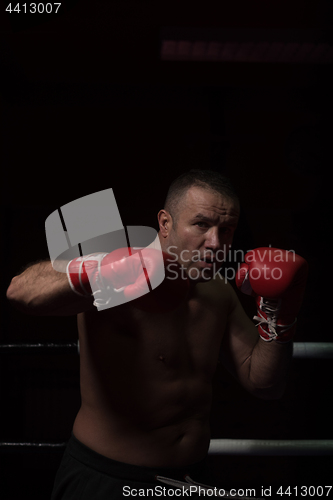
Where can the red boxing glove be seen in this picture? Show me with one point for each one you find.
(132, 272)
(277, 279)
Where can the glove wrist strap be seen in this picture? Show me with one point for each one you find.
(79, 271)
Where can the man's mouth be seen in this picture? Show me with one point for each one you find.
(207, 261)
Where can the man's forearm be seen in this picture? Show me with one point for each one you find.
(268, 367)
(41, 290)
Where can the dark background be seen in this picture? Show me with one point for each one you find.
(87, 103)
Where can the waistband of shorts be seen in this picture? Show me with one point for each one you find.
(122, 470)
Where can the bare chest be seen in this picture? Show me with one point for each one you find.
(183, 343)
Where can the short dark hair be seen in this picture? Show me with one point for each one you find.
(206, 179)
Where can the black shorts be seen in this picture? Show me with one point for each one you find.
(86, 475)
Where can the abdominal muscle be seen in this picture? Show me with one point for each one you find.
(161, 439)
(145, 417)
(146, 391)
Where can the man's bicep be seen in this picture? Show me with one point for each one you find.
(239, 339)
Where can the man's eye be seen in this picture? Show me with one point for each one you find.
(201, 224)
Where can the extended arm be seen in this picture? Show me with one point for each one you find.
(40, 290)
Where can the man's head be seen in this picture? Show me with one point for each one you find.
(198, 222)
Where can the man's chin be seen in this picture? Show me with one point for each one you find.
(196, 275)
(201, 280)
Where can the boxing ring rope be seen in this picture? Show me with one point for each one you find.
(305, 350)
(263, 447)
(313, 350)
(47, 348)
(249, 447)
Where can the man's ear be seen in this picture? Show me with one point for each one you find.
(165, 222)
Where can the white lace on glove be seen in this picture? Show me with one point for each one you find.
(271, 308)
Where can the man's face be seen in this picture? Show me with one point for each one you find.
(204, 232)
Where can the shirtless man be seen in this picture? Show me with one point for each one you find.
(146, 377)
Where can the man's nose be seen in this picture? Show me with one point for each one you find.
(213, 239)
